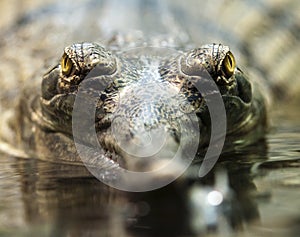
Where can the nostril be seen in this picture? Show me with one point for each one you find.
(150, 152)
(137, 140)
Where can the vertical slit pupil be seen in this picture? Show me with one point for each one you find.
(230, 61)
(65, 61)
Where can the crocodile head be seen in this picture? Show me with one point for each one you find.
(145, 102)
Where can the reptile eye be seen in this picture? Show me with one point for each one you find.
(228, 65)
(66, 65)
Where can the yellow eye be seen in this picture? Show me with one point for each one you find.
(66, 65)
(228, 65)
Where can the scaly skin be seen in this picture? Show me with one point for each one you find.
(149, 92)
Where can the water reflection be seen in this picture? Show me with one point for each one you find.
(184, 207)
(65, 200)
